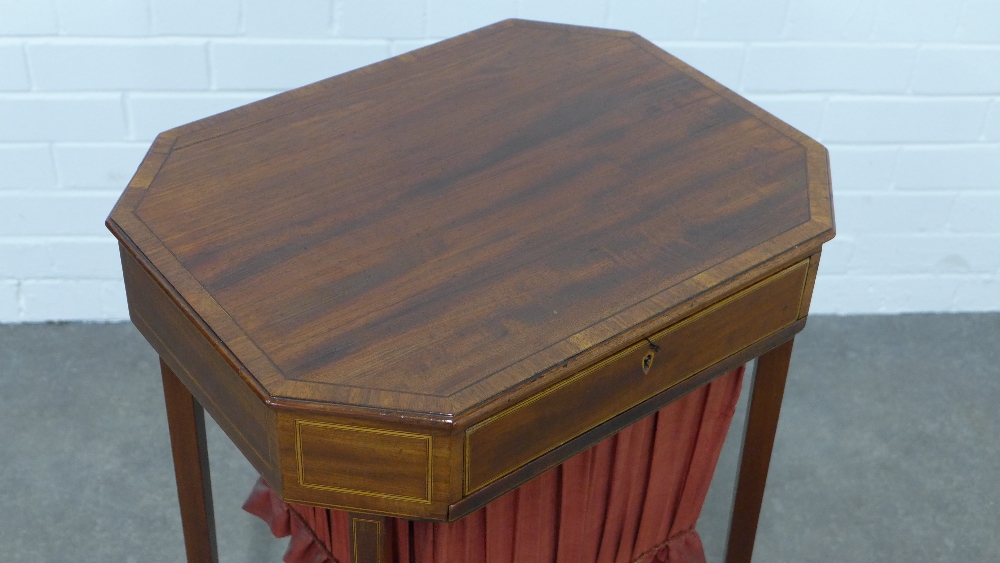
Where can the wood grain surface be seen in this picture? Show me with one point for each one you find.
(390, 467)
(510, 439)
(565, 451)
(443, 231)
(216, 384)
(189, 446)
(371, 538)
(408, 289)
(769, 378)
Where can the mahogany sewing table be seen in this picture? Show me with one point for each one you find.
(408, 289)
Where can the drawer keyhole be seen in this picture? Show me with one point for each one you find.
(647, 361)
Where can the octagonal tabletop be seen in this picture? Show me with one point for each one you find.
(444, 231)
(428, 232)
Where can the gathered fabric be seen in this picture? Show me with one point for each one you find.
(632, 498)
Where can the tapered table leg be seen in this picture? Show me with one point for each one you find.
(371, 538)
(186, 420)
(762, 422)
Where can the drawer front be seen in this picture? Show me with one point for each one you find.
(364, 461)
(351, 464)
(538, 424)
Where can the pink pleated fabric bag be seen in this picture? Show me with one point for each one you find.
(632, 498)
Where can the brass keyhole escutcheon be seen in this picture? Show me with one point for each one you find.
(647, 361)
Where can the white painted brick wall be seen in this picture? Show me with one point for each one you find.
(105, 18)
(61, 117)
(194, 17)
(281, 64)
(975, 212)
(904, 93)
(749, 20)
(828, 68)
(28, 17)
(843, 20)
(10, 306)
(979, 22)
(451, 17)
(367, 19)
(954, 167)
(13, 69)
(288, 18)
(151, 114)
(655, 19)
(992, 132)
(863, 167)
(583, 12)
(721, 61)
(58, 257)
(54, 213)
(26, 166)
(97, 165)
(957, 70)
(904, 119)
(915, 20)
(118, 65)
(71, 299)
(805, 113)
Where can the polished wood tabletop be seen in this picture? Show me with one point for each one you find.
(408, 289)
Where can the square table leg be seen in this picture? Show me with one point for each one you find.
(371, 538)
(762, 422)
(186, 420)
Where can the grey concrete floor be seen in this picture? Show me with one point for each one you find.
(888, 449)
